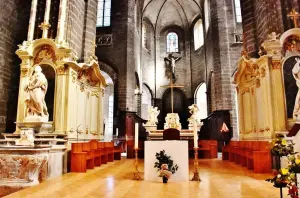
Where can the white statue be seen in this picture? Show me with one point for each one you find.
(195, 117)
(296, 74)
(152, 116)
(172, 59)
(35, 97)
(172, 121)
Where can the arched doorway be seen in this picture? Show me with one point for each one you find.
(108, 107)
(180, 106)
(201, 100)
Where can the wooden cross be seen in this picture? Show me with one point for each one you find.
(294, 16)
(172, 86)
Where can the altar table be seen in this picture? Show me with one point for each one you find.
(178, 150)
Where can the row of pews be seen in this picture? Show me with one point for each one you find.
(255, 155)
(87, 155)
(207, 148)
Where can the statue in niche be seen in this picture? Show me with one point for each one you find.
(35, 90)
(172, 60)
(296, 75)
(153, 112)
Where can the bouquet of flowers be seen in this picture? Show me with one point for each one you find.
(294, 163)
(280, 147)
(282, 177)
(165, 165)
(164, 172)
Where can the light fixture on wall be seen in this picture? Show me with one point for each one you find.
(137, 91)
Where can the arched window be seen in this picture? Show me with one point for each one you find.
(201, 100)
(103, 13)
(198, 34)
(172, 42)
(146, 35)
(238, 12)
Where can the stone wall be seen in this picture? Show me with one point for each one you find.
(14, 19)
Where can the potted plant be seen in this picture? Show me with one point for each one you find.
(165, 166)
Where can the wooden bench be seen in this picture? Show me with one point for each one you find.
(96, 151)
(209, 148)
(103, 149)
(117, 152)
(110, 151)
(81, 157)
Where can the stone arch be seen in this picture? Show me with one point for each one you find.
(109, 70)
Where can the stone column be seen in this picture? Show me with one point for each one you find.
(25, 67)
(45, 25)
(100, 113)
(32, 20)
(61, 20)
(61, 106)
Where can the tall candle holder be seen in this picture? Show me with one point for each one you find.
(136, 175)
(196, 176)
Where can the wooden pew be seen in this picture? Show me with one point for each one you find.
(117, 152)
(110, 151)
(80, 159)
(232, 149)
(226, 151)
(96, 151)
(208, 147)
(103, 150)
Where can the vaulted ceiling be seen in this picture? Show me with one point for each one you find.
(162, 13)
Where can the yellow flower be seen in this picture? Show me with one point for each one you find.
(283, 142)
(297, 161)
(284, 171)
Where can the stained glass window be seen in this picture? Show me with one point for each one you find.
(238, 12)
(172, 42)
(103, 13)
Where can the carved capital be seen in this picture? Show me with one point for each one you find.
(74, 76)
(95, 94)
(24, 72)
(246, 90)
(61, 70)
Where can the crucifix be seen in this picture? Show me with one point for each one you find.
(294, 16)
(172, 59)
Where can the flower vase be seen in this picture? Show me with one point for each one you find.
(165, 180)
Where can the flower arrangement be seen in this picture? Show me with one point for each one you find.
(280, 147)
(165, 165)
(294, 163)
(282, 177)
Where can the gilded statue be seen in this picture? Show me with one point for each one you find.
(36, 109)
(296, 75)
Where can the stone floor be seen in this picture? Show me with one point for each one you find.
(220, 179)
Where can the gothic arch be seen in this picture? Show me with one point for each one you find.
(109, 70)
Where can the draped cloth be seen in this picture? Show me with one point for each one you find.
(35, 95)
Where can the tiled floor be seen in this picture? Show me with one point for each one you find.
(220, 179)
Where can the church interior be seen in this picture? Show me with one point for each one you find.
(150, 98)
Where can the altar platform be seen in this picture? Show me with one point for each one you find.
(185, 134)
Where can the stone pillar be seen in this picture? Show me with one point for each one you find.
(45, 25)
(61, 20)
(32, 20)
(25, 67)
(61, 106)
(138, 104)
(100, 114)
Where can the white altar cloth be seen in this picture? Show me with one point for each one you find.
(178, 150)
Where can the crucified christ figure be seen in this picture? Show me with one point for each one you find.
(172, 59)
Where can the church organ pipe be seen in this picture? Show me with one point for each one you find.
(61, 20)
(32, 20)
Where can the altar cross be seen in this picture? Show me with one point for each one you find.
(294, 16)
(172, 86)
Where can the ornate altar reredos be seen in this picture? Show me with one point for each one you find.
(267, 89)
(76, 101)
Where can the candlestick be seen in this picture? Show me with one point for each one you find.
(196, 176)
(136, 139)
(117, 132)
(195, 135)
(136, 175)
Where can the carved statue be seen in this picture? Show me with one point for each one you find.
(35, 97)
(195, 117)
(172, 59)
(296, 75)
(152, 116)
(172, 121)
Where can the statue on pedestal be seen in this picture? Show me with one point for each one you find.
(36, 109)
(195, 117)
(151, 124)
(296, 75)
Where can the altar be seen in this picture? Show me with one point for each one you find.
(178, 150)
(184, 134)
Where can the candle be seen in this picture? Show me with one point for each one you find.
(117, 132)
(136, 140)
(195, 136)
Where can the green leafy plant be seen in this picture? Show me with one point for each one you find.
(164, 162)
(280, 147)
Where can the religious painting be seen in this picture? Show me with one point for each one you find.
(172, 42)
(290, 85)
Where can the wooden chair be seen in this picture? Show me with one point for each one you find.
(171, 134)
(96, 152)
(80, 160)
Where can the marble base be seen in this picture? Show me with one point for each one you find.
(150, 128)
(36, 119)
(27, 137)
(39, 127)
